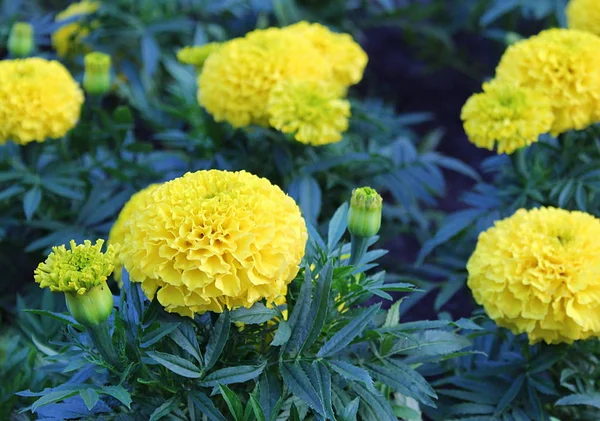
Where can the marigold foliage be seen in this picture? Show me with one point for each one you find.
(117, 233)
(584, 15)
(212, 240)
(38, 99)
(507, 116)
(563, 64)
(68, 37)
(77, 270)
(312, 111)
(537, 272)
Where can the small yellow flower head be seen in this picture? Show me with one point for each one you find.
(312, 111)
(537, 272)
(584, 15)
(118, 230)
(343, 53)
(96, 79)
(69, 37)
(77, 270)
(506, 115)
(38, 100)
(562, 64)
(20, 40)
(364, 215)
(197, 54)
(214, 239)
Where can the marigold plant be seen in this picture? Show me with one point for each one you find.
(536, 272)
(68, 37)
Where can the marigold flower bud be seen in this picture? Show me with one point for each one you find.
(364, 216)
(92, 308)
(20, 40)
(96, 79)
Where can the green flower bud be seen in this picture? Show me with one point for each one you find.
(20, 40)
(91, 308)
(96, 79)
(364, 216)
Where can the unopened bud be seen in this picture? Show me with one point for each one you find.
(91, 308)
(20, 40)
(364, 215)
(96, 80)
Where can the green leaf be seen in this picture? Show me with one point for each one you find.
(319, 305)
(176, 364)
(337, 226)
(345, 335)
(323, 377)
(157, 334)
(119, 393)
(164, 409)
(432, 343)
(299, 315)
(90, 397)
(352, 373)
(282, 335)
(467, 324)
(270, 394)
(31, 201)
(294, 415)
(230, 375)
(57, 316)
(256, 314)
(299, 384)
(186, 344)
(258, 412)
(374, 405)
(591, 399)
(350, 411)
(510, 395)
(206, 406)
(393, 315)
(218, 338)
(10, 192)
(52, 397)
(404, 380)
(233, 402)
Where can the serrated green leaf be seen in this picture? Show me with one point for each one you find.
(119, 393)
(350, 411)
(176, 364)
(510, 395)
(591, 399)
(337, 226)
(299, 314)
(164, 409)
(233, 402)
(52, 397)
(231, 375)
(431, 343)
(206, 407)
(90, 397)
(373, 405)
(156, 335)
(270, 394)
(347, 334)
(256, 314)
(404, 380)
(258, 412)
(57, 316)
(282, 335)
(186, 344)
(294, 415)
(392, 317)
(218, 338)
(323, 377)
(352, 373)
(299, 384)
(319, 305)
(467, 324)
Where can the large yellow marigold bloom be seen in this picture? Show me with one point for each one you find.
(538, 271)
(506, 115)
(118, 230)
(584, 15)
(563, 64)
(347, 57)
(214, 239)
(69, 36)
(77, 270)
(312, 111)
(38, 99)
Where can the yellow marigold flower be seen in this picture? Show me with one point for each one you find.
(236, 81)
(584, 15)
(506, 115)
(537, 272)
(117, 233)
(77, 270)
(563, 64)
(345, 55)
(38, 99)
(214, 239)
(196, 55)
(312, 111)
(68, 37)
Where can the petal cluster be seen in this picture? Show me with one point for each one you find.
(212, 240)
(312, 111)
(562, 64)
(66, 38)
(38, 100)
(77, 270)
(537, 272)
(584, 15)
(506, 116)
(237, 80)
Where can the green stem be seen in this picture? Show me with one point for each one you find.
(358, 248)
(103, 342)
